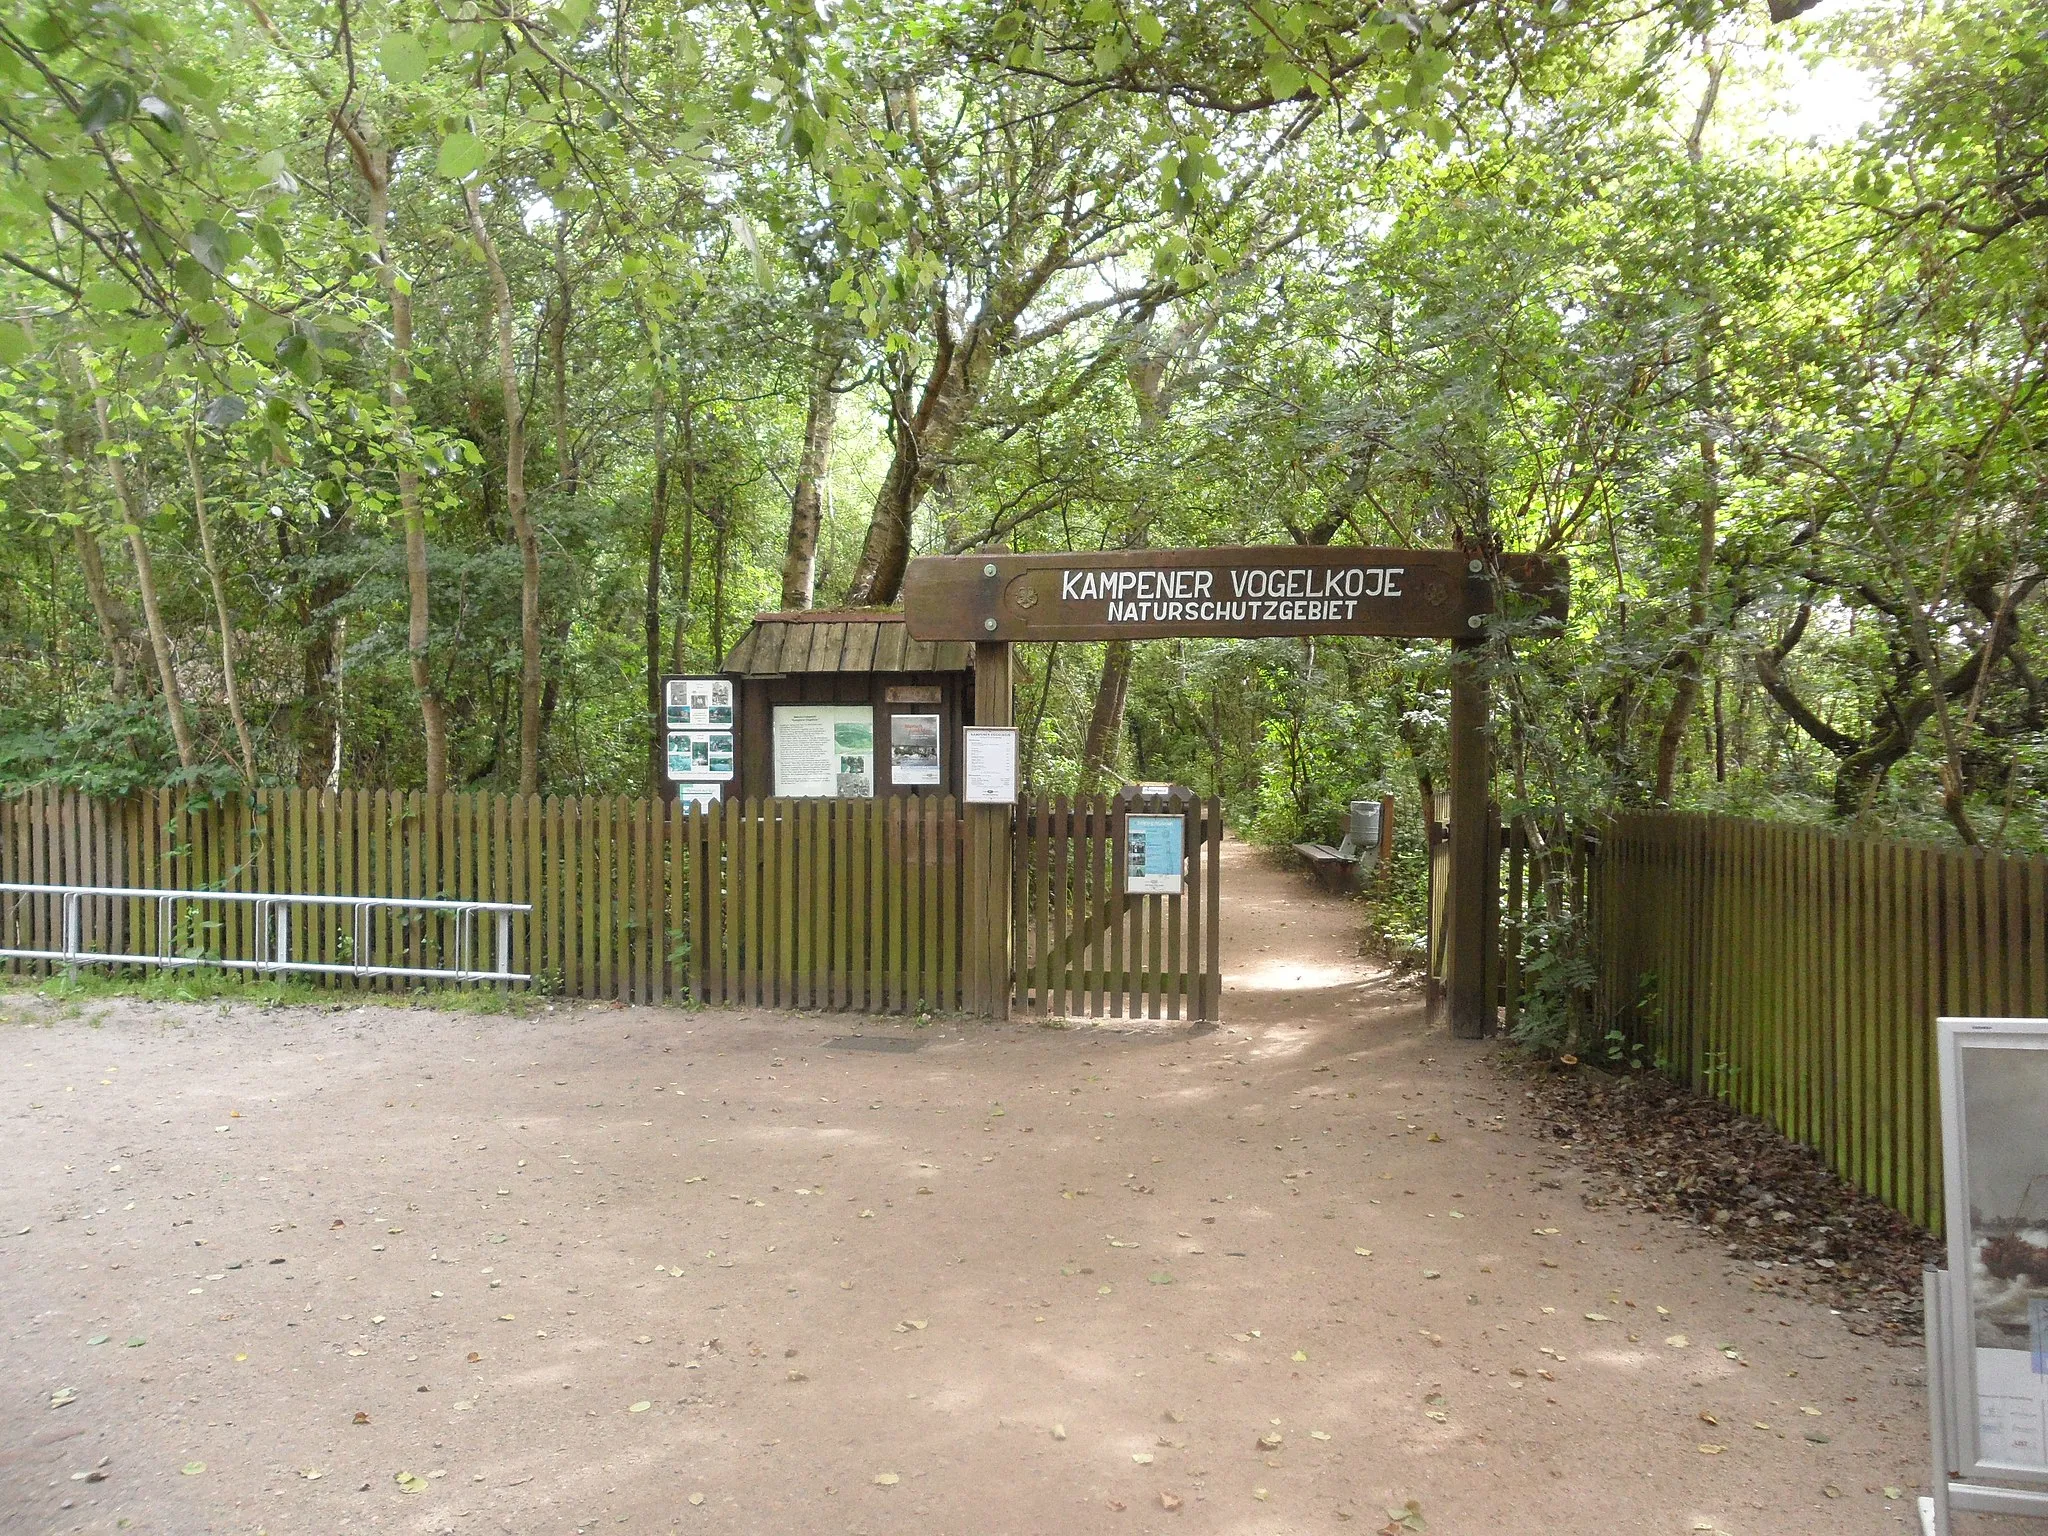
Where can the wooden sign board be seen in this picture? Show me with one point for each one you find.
(1245, 592)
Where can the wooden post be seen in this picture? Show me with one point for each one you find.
(1469, 998)
(988, 841)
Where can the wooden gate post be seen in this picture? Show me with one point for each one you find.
(989, 852)
(1467, 993)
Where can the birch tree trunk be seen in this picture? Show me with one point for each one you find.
(807, 500)
(222, 616)
(515, 504)
(145, 581)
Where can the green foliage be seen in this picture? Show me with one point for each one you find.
(1089, 275)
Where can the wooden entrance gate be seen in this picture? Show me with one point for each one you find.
(1081, 946)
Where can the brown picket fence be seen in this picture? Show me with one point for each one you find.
(780, 903)
(1797, 974)
(1085, 948)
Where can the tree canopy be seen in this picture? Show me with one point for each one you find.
(390, 393)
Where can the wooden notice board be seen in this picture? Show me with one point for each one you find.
(1245, 592)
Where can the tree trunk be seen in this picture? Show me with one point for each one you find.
(657, 535)
(145, 581)
(680, 657)
(515, 505)
(1692, 652)
(220, 608)
(375, 166)
(806, 502)
(115, 632)
(1106, 719)
(109, 613)
(718, 542)
(885, 552)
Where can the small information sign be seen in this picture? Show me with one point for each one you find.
(1994, 1099)
(990, 764)
(704, 754)
(914, 749)
(1155, 853)
(698, 701)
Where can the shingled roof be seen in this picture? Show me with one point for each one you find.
(840, 640)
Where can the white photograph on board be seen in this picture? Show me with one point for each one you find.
(914, 749)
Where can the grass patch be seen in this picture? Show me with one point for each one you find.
(202, 984)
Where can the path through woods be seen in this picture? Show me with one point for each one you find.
(563, 1271)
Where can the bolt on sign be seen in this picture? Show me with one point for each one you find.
(1245, 592)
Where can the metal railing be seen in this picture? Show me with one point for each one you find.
(272, 929)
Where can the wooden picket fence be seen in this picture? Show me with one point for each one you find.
(1797, 974)
(779, 903)
(1082, 947)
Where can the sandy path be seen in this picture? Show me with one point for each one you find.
(1039, 1278)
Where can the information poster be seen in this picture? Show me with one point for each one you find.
(700, 754)
(914, 749)
(699, 701)
(706, 794)
(1154, 847)
(989, 765)
(825, 750)
(1998, 1093)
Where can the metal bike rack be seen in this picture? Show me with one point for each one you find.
(273, 931)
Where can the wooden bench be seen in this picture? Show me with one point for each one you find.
(1331, 866)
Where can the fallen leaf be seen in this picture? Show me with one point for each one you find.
(1270, 1440)
(640, 1407)
(62, 1396)
(1598, 1317)
(886, 1479)
(1170, 1502)
(409, 1483)
(1363, 1253)
(362, 1418)
(1160, 1278)
(696, 1498)
(1142, 1458)
(100, 1338)
(1319, 1434)
(193, 1468)
(1712, 1450)
(312, 1474)
(1678, 1341)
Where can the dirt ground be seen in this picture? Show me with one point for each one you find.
(337, 1269)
